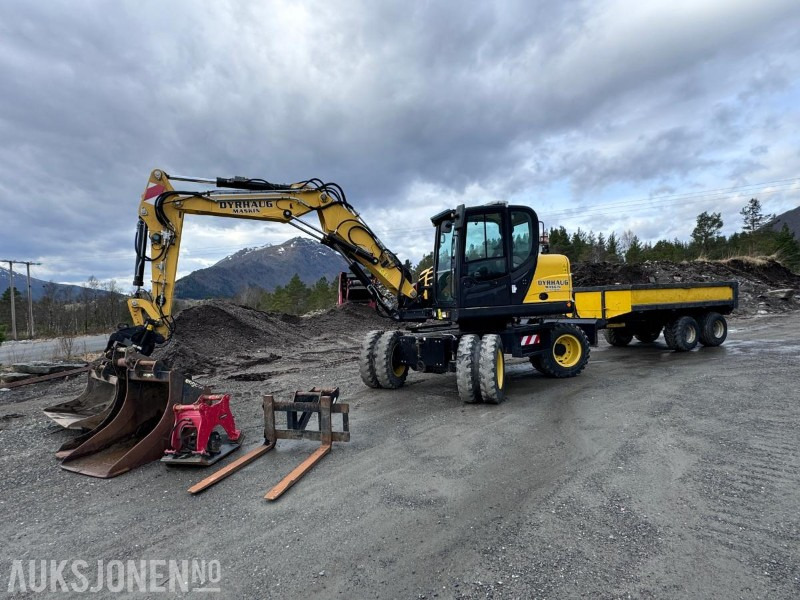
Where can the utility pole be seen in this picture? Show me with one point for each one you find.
(11, 297)
(30, 304)
(28, 264)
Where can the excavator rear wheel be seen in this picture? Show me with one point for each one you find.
(390, 372)
(568, 352)
(491, 369)
(467, 368)
(366, 360)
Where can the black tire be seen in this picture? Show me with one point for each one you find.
(491, 369)
(366, 360)
(467, 368)
(536, 361)
(390, 373)
(568, 352)
(648, 335)
(682, 334)
(618, 336)
(713, 329)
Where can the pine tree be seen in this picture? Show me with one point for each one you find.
(707, 230)
(754, 218)
(788, 248)
(612, 248)
(634, 252)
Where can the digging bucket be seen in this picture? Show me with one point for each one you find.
(89, 409)
(140, 431)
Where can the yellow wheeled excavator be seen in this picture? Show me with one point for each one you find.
(490, 293)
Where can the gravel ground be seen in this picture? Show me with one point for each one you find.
(653, 474)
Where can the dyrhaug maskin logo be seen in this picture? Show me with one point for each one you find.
(114, 576)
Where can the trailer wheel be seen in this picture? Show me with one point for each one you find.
(681, 334)
(366, 360)
(648, 335)
(390, 372)
(467, 368)
(568, 352)
(713, 329)
(491, 369)
(618, 336)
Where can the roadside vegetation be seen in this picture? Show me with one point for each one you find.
(96, 308)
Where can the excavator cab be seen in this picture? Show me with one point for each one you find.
(488, 269)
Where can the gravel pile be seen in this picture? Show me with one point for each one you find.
(758, 280)
(219, 335)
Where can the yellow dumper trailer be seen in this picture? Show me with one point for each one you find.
(688, 314)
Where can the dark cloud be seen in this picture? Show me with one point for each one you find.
(444, 101)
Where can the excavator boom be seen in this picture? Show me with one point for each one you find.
(161, 216)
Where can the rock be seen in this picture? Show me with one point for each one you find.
(41, 367)
(12, 377)
(786, 294)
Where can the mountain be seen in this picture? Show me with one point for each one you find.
(37, 285)
(791, 218)
(266, 267)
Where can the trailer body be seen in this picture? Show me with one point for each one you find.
(688, 313)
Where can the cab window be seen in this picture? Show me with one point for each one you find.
(522, 233)
(484, 248)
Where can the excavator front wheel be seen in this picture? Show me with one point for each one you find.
(390, 372)
(492, 369)
(568, 352)
(467, 368)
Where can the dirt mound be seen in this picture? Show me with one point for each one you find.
(219, 335)
(757, 278)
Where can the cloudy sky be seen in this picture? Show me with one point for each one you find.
(605, 115)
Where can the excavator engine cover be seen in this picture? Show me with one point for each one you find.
(137, 430)
(194, 440)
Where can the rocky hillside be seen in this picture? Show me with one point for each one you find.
(265, 267)
(791, 218)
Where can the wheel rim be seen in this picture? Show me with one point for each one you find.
(499, 365)
(398, 368)
(567, 351)
(718, 329)
(691, 335)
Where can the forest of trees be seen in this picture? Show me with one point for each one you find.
(706, 242)
(295, 298)
(97, 307)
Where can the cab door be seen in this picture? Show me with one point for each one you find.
(484, 278)
(524, 227)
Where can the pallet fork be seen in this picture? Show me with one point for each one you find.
(323, 402)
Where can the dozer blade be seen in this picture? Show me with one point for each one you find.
(139, 431)
(89, 409)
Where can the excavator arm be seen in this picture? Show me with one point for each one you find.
(161, 217)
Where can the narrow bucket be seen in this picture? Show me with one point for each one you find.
(89, 409)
